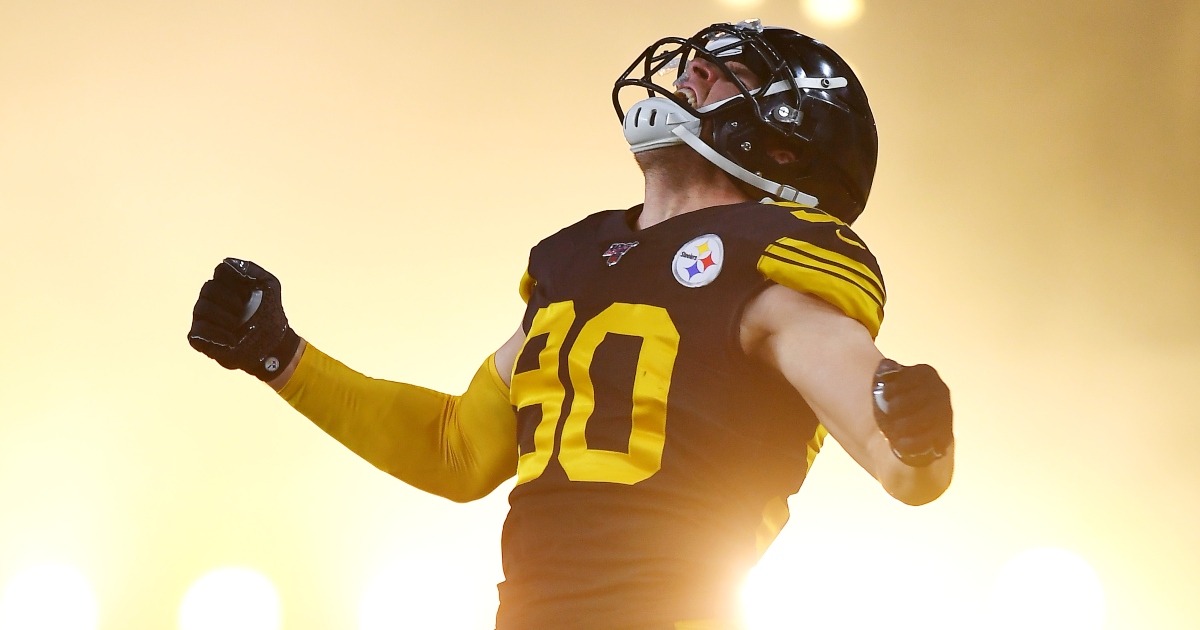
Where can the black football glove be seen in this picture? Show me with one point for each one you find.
(912, 408)
(238, 320)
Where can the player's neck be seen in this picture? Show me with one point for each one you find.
(679, 181)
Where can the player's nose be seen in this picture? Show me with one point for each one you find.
(701, 71)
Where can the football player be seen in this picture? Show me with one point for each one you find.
(679, 363)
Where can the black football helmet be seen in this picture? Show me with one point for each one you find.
(808, 101)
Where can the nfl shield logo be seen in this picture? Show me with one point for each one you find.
(613, 254)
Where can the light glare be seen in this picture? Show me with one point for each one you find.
(1047, 588)
(833, 12)
(230, 599)
(820, 584)
(48, 597)
(430, 592)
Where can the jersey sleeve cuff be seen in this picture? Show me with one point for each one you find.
(305, 368)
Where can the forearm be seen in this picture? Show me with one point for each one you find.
(458, 447)
(914, 486)
(832, 360)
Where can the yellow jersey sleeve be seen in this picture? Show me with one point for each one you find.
(457, 447)
(526, 286)
(820, 255)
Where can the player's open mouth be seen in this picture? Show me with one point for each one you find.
(687, 95)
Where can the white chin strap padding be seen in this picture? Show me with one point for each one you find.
(775, 189)
(649, 124)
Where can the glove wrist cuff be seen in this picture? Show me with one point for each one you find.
(268, 367)
(922, 459)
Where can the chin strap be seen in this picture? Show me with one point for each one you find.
(775, 189)
(658, 122)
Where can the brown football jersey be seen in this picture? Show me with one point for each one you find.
(656, 458)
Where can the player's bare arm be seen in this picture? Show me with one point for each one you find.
(831, 360)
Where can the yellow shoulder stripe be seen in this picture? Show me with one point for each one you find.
(846, 239)
(817, 217)
(828, 282)
(526, 286)
(853, 271)
(784, 204)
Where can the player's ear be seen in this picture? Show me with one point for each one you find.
(782, 156)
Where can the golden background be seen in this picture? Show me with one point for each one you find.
(1035, 213)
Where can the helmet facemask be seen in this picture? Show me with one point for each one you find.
(790, 107)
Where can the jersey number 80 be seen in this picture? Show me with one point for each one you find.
(651, 384)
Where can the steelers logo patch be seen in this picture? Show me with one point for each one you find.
(699, 261)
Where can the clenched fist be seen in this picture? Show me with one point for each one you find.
(912, 408)
(239, 322)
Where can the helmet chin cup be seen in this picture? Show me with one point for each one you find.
(650, 124)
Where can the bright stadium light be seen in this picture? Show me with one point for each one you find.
(802, 583)
(48, 597)
(230, 599)
(1047, 588)
(833, 12)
